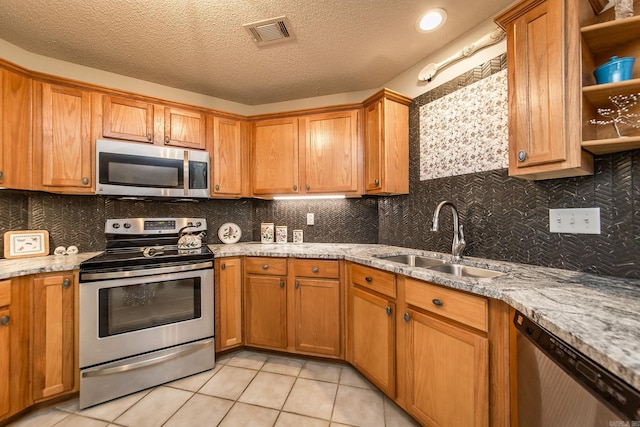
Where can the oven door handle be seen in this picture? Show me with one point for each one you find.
(187, 349)
(86, 277)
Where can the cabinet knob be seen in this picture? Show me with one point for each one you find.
(217, 187)
(265, 266)
(85, 180)
(66, 283)
(148, 137)
(223, 266)
(295, 187)
(4, 320)
(368, 279)
(376, 182)
(1, 174)
(522, 156)
(167, 139)
(406, 317)
(314, 269)
(388, 309)
(308, 187)
(437, 302)
(297, 284)
(281, 283)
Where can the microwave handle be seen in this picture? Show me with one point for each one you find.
(185, 172)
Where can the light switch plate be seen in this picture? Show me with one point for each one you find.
(311, 220)
(575, 221)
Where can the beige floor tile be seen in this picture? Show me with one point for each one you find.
(294, 420)
(395, 416)
(343, 425)
(321, 371)
(312, 398)
(358, 406)
(111, 410)
(194, 382)
(283, 365)
(350, 376)
(78, 421)
(44, 418)
(269, 390)
(69, 406)
(200, 410)
(248, 359)
(155, 408)
(246, 415)
(229, 382)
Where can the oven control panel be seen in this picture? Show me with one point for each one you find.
(140, 226)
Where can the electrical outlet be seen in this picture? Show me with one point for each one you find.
(575, 221)
(311, 219)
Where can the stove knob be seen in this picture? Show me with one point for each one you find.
(127, 225)
(116, 225)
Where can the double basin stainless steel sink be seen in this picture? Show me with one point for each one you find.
(440, 265)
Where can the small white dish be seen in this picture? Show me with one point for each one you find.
(60, 250)
(72, 250)
(229, 233)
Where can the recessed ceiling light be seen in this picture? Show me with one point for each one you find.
(431, 20)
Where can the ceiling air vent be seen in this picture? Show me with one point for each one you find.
(270, 31)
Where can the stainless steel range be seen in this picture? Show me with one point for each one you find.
(146, 309)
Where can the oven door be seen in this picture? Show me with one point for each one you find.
(128, 316)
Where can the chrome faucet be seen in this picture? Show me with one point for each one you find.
(458, 244)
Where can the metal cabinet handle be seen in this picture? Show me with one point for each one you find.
(4, 320)
(295, 187)
(437, 302)
(1, 174)
(308, 187)
(85, 180)
(314, 269)
(297, 284)
(281, 283)
(66, 283)
(522, 156)
(388, 309)
(368, 279)
(167, 139)
(148, 137)
(265, 266)
(217, 187)
(223, 266)
(406, 317)
(376, 182)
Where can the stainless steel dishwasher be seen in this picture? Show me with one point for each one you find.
(559, 386)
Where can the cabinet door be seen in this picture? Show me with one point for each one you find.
(373, 337)
(226, 157)
(53, 314)
(15, 131)
(447, 373)
(331, 152)
(275, 156)
(373, 146)
(127, 119)
(184, 128)
(5, 357)
(66, 139)
(265, 311)
(317, 316)
(229, 303)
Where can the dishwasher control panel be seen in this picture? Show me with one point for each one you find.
(611, 390)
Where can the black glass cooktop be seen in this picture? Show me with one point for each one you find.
(149, 255)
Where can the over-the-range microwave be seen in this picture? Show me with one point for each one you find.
(143, 170)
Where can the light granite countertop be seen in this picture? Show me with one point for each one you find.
(598, 315)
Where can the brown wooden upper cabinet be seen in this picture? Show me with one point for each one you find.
(62, 141)
(544, 83)
(386, 143)
(15, 130)
(274, 149)
(228, 149)
(143, 121)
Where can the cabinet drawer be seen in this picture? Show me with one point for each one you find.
(464, 308)
(5, 292)
(316, 268)
(265, 265)
(376, 280)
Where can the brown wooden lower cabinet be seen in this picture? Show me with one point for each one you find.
(228, 303)
(265, 315)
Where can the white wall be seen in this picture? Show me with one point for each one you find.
(406, 83)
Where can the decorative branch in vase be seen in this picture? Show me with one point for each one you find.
(620, 114)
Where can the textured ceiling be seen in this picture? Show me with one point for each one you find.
(201, 46)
